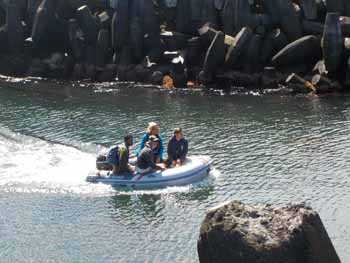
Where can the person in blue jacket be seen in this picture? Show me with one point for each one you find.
(158, 152)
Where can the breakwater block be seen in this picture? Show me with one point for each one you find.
(235, 232)
(295, 52)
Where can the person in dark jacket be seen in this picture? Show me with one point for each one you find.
(145, 159)
(177, 149)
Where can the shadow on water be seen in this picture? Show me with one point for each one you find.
(150, 204)
(131, 209)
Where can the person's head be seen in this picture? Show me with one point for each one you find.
(128, 140)
(152, 128)
(178, 133)
(153, 141)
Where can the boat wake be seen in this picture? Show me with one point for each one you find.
(30, 164)
(33, 165)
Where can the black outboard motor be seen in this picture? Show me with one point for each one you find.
(102, 164)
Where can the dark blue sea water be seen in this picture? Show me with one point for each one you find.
(266, 149)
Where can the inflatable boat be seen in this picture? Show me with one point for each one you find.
(194, 169)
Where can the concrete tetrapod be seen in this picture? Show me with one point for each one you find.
(289, 21)
(332, 42)
(43, 17)
(235, 50)
(14, 27)
(88, 24)
(76, 39)
(210, 14)
(336, 6)
(309, 8)
(312, 27)
(215, 57)
(119, 26)
(295, 52)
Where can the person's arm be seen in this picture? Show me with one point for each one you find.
(184, 152)
(150, 161)
(161, 148)
(141, 145)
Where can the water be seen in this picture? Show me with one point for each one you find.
(266, 149)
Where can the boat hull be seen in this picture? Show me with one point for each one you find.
(195, 169)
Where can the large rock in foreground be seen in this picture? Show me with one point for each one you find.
(236, 233)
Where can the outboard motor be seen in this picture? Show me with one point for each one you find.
(102, 164)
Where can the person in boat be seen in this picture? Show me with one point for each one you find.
(177, 149)
(152, 129)
(145, 159)
(118, 156)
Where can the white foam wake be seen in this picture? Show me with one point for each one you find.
(28, 164)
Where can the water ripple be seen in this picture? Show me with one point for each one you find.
(265, 149)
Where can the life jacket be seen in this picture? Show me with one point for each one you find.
(113, 154)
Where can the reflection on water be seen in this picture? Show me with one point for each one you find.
(266, 149)
(149, 207)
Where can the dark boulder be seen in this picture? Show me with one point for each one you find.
(174, 40)
(76, 39)
(65, 9)
(4, 44)
(88, 24)
(215, 57)
(345, 25)
(14, 27)
(119, 27)
(251, 56)
(312, 27)
(235, 232)
(336, 6)
(32, 7)
(183, 14)
(206, 34)
(37, 69)
(332, 42)
(149, 18)
(272, 8)
(309, 8)
(267, 49)
(109, 73)
(209, 13)
(102, 47)
(235, 15)
(194, 55)
(79, 72)
(136, 39)
(296, 82)
(262, 23)
(234, 51)
(43, 19)
(156, 78)
(233, 78)
(219, 4)
(289, 20)
(279, 39)
(297, 51)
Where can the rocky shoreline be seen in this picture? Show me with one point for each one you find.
(264, 44)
